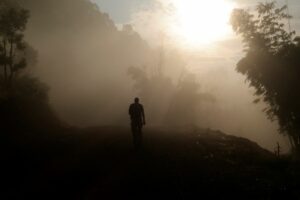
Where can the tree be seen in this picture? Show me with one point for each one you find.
(184, 102)
(12, 46)
(23, 99)
(272, 64)
(155, 90)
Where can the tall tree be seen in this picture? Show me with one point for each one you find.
(272, 64)
(12, 46)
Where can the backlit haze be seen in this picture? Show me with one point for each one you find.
(85, 52)
(198, 23)
(70, 77)
(199, 31)
(185, 24)
(195, 23)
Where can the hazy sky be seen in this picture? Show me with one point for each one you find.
(150, 17)
(121, 10)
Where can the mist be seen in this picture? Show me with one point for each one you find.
(106, 99)
(94, 68)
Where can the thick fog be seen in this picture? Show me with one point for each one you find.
(95, 68)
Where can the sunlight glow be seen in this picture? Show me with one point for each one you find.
(200, 22)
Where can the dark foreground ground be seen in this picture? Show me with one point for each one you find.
(100, 163)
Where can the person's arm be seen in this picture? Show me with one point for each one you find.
(129, 110)
(143, 114)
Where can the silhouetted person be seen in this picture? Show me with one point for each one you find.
(137, 116)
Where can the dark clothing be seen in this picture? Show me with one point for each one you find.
(137, 116)
(137, 134)
(136, 112)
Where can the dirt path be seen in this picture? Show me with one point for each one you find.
(100, 163)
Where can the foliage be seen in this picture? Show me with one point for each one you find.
(271, 64)
(186, 100)
(264, 31)
(24, 108)
(155, 90)
(169, 103)
(23, 99)
(12, 46)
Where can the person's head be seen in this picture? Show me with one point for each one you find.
(136, 100)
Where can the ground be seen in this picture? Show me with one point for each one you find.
(101, 163)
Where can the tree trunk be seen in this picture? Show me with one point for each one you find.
(5, 73)
(5, 64)
(292, 142)
(11, 62)
(296, 147)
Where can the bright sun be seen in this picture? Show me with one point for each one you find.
(200, 22)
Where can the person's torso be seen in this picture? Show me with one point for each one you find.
(136, 110)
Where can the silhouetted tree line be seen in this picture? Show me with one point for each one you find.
(23, 98)
(82, 49)
(12, 47)
(272, 64)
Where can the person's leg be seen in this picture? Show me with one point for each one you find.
(139, 135)
(134, 134)
(132, 127)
